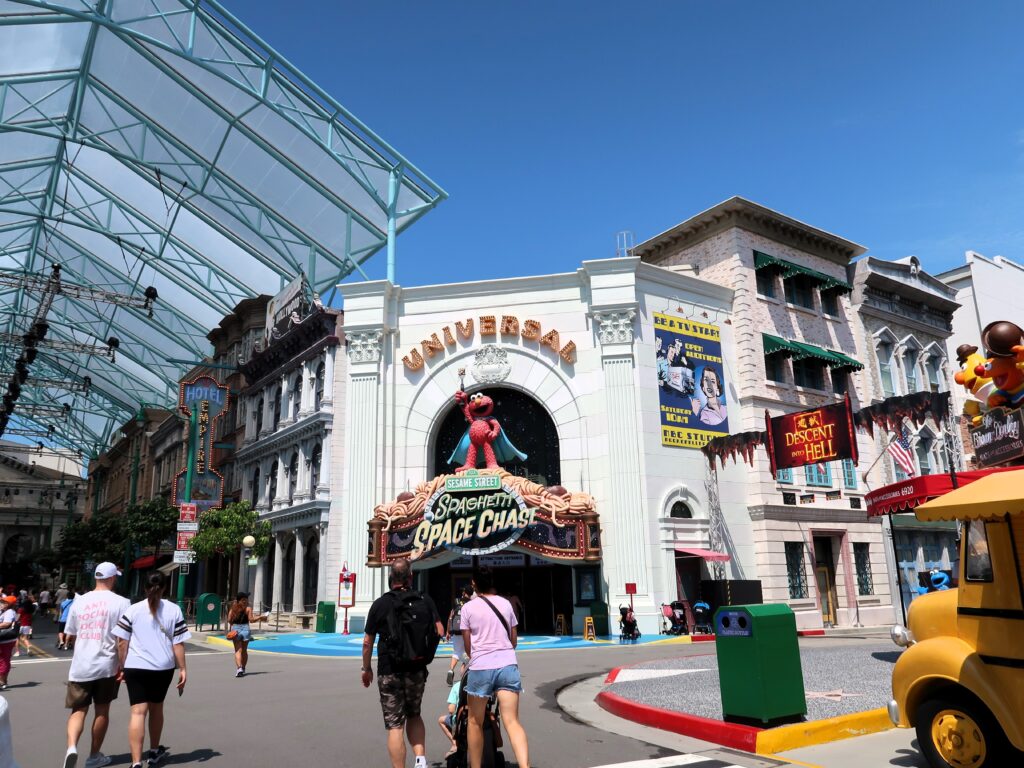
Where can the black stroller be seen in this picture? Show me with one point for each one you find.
(702, 618)
(628, 630)
(492, 757)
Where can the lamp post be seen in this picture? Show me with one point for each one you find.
(247, 544)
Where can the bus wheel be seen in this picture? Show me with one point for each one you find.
(959, 733)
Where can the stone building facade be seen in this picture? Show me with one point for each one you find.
(803, 533)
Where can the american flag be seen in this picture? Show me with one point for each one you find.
(900, 450)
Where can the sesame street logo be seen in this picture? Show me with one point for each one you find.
(472, 517)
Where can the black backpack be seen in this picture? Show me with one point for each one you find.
(412, 635)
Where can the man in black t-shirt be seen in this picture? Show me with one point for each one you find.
(401, 687)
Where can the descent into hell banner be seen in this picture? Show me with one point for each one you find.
(691, 381)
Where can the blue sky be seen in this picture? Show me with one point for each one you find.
(553, 125)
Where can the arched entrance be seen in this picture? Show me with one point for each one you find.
(544, 587)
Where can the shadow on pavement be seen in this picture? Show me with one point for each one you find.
(909, 758)
(889, 656)
(29, 684)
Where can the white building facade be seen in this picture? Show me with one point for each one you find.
(571, 363)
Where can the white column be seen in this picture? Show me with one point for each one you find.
(282, 482)
(286, 410)
(298, 584)
(323, 488)
(305, 448)
(322, 591)
(307, 389)
(268, 409)
(277, 598)
(257, 586)
(329, 375)
(361, 471)
(627, 554)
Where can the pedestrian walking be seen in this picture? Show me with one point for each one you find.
(58, 598)
(151, 637)
(63, 609)
(409, 629)
(455, 631)
(44, 603)
(26, 610)
(239, 630)
(9, 628)
(92, 678)
(489, 631)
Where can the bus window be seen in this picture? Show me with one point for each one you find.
(979, 565)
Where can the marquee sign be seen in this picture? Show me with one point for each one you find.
(209, 401)
(999, 437)
(490, 327)
(480, 512)
(811, 437)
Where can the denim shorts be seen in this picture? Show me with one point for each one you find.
(484, 682)
(244, 633)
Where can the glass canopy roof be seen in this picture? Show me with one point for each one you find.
(161, 143)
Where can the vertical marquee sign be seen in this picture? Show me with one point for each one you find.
(204, 401)
(811, 437)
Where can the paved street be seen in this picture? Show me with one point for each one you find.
(312, 709)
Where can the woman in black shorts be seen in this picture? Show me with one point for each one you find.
(151, 637)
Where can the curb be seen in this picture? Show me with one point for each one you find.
(761, 741)
(810, 633)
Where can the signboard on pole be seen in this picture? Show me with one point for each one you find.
(188, 513)
(816, 436)
(999, 437)
(184, 539)
(346, 589)
(193, 527)
(184, 556)
(205, 400)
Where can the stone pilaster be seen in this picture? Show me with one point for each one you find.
(299, 582)
(277, 597)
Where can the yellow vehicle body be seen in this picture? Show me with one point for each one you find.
(967, 644)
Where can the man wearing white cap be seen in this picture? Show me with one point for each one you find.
(92, 678)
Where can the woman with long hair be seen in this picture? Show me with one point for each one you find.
(151, 637)
(8, 619)
(239, 618)
(455, 630)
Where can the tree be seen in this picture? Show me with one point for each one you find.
(101, 537)
(221, 532)
(150, 523)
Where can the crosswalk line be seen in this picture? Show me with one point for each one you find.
(673, 761)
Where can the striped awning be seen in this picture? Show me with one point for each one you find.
(790, 269)
(798, 350)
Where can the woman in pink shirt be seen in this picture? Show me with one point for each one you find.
(489, 632)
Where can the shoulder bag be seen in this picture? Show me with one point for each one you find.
(504, 623)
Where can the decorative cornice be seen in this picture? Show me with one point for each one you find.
(615, 326)
(364, 346)
(315, 424)
(811, 513)
(318, 328)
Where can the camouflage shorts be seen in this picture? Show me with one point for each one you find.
(400, 696)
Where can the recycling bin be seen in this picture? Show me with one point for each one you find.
(759, 669)
(599, 613)
(326, 619)
(208, 610)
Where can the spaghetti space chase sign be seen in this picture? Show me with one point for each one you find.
(472, 515)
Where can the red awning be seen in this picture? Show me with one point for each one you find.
(907, 494)
(707, 554)
(146, 561)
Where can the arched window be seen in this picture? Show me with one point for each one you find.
(296, 397)
(314, 468)
(277, 407)
(273, 483)
(293, 475)
(884, 352)
(910, 358)
(319, 387)
(680, 510)
(259, 416)
(255, 497)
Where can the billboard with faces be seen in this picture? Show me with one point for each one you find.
(691, 381)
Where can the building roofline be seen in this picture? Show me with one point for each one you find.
(740, 212)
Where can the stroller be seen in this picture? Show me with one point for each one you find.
(674, 618)
(702, 618)
(628, 631)
(492, 756)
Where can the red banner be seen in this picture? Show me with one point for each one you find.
(816, 436)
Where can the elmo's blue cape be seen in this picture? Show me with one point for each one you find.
(503, 450)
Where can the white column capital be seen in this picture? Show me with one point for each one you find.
(614, 325)
(364, 345)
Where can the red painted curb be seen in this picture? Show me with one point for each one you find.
(702, 638)
(727, 734)
(612, 675)
(810, 632)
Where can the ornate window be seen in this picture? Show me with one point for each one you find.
(819, 474)
(254, 498)
(293, 475)
(259, 416)
(884, 353)
(796, 574)
(273, 483)
(277, 407)
(680, 510)
(910, 358)
(314, 468)
(318, 384)
(296, 397)
(934, 368)
(862, 562)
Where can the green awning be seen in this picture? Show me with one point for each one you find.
(789, 269)
(773, 344)
(800, 351)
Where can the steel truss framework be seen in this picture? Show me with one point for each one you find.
(161, 142)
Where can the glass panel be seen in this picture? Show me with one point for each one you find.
(849, 474)
(800, 291)
(979, 563)
(785, 475)
(830, 303)
(773, 368)
(766, 283)
(807, 373)
(884, 353)
(910, 369)
(680, 510)
(796, 575)
(818, 474)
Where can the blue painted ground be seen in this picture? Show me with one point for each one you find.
(312, 644)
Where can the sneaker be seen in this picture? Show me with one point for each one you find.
(71, 758)
(157, 755)
(421, 761)
(450, 678)
(98, 761)
(136, 765)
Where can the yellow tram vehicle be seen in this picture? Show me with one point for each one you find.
(960, 681)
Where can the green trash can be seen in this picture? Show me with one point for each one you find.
(759, 670)
(599, 612)
(208, 610)
(326, 619)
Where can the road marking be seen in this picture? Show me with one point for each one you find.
(674, 761)
(630, 675)
(38, 661)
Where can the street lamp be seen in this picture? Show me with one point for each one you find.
(247, 544)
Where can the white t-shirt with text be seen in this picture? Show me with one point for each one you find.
(91, 620)
(151, 638)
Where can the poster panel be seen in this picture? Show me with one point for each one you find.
(815, 436)
(691, 381)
